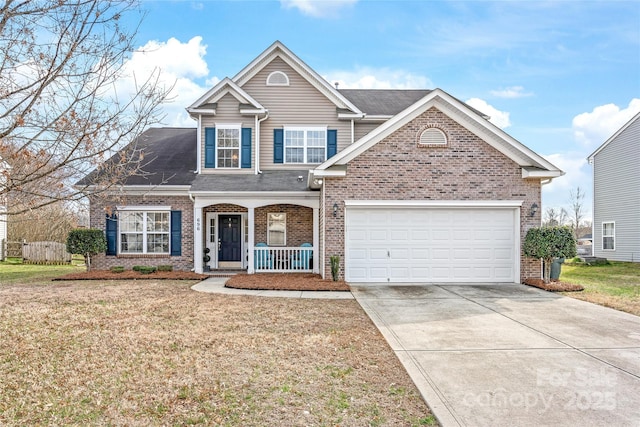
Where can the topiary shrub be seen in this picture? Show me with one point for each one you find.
(86, 242)
(165, 268)
(547, 243)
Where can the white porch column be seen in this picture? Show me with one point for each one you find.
(251, 240)
(197, 239)
(316, 240)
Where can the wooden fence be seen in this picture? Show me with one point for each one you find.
(38, 252)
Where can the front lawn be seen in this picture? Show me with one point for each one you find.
(615, 285)
(13, 270)
(157, 353)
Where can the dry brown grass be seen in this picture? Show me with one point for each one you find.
(157, 353)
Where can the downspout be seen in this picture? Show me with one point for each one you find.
(198, 147)
(353, 132)
(258, 121)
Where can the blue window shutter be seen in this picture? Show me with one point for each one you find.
(209, 147)
(332, 143)
(246, 148)
(176, 233)
(278, 146)
(111, 231)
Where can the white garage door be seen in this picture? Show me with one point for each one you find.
(409, 244)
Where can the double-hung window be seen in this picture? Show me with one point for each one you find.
(144, 232)
(277, 229)
(228, 146)
(609, 236)
(305, 144)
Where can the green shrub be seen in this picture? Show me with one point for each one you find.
(117, 269)
(137, 267)
(547, 243)
(87, 242)
(577, 259)
(335, 267)
(146, 269)
(165, 268)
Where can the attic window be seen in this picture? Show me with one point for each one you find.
(432, 136)
(278, 78)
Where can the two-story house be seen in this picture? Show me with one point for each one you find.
(616, 195)
(284, 171)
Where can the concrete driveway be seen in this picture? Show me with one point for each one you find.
(511, 355)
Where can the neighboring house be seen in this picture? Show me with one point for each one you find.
(616, 195)
(284, 171)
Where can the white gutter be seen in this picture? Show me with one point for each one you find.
(258, 121)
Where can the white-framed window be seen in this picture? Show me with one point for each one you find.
(228, 146)
(609, 236)
(305, 144)
(278, 78)
(277, 229)
(143, 232)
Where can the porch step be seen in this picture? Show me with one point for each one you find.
(224, 272)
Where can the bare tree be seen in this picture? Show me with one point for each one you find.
(577, 209)
(554, 217)
(48, 223)
(62, 108)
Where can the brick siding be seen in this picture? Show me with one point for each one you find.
(99, 208)
(398, 168)
(299, 223)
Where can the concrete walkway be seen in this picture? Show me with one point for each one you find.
(511, 355)
(215, 285)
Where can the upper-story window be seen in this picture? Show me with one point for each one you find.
(228, 146)
(305, 145)
(278, 78)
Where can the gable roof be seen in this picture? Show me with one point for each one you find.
(224, 87)
(383, 102)
(613, 137)
(533, 165)
(279, 50)
(169, 158)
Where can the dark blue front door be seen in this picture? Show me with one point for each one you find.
(230, 238)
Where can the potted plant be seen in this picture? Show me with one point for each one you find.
(206, 258)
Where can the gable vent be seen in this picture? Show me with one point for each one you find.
(432, 136)
(278, 78)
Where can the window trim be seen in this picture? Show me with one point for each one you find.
(613, 236)
(145, 210)
(233, 126)
(305, 147)
(269, 243)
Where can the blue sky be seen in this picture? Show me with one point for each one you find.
(559, 76)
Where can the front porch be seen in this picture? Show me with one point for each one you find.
(278, 235)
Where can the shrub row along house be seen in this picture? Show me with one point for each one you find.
(284, 171)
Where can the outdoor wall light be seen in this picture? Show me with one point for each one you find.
(533, 210)
(335, 210)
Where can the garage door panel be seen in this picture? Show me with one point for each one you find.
(430, 244)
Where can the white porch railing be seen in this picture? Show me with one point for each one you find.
(298, 259)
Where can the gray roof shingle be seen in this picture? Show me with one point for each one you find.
(272, 180)
(383, 102)
(169, 158)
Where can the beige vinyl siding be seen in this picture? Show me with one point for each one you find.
(363, 128)
(616, 170)
(228, 112)
(297, 104)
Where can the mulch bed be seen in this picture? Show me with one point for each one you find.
(285, 282)
(554, 285)
(130, 274)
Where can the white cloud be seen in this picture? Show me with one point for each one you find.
(594, 128)
(382, 78)
(179, 65)
(318, 8)
(511, 92)
(497, 117)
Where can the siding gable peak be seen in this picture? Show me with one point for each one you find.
(224, 87)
